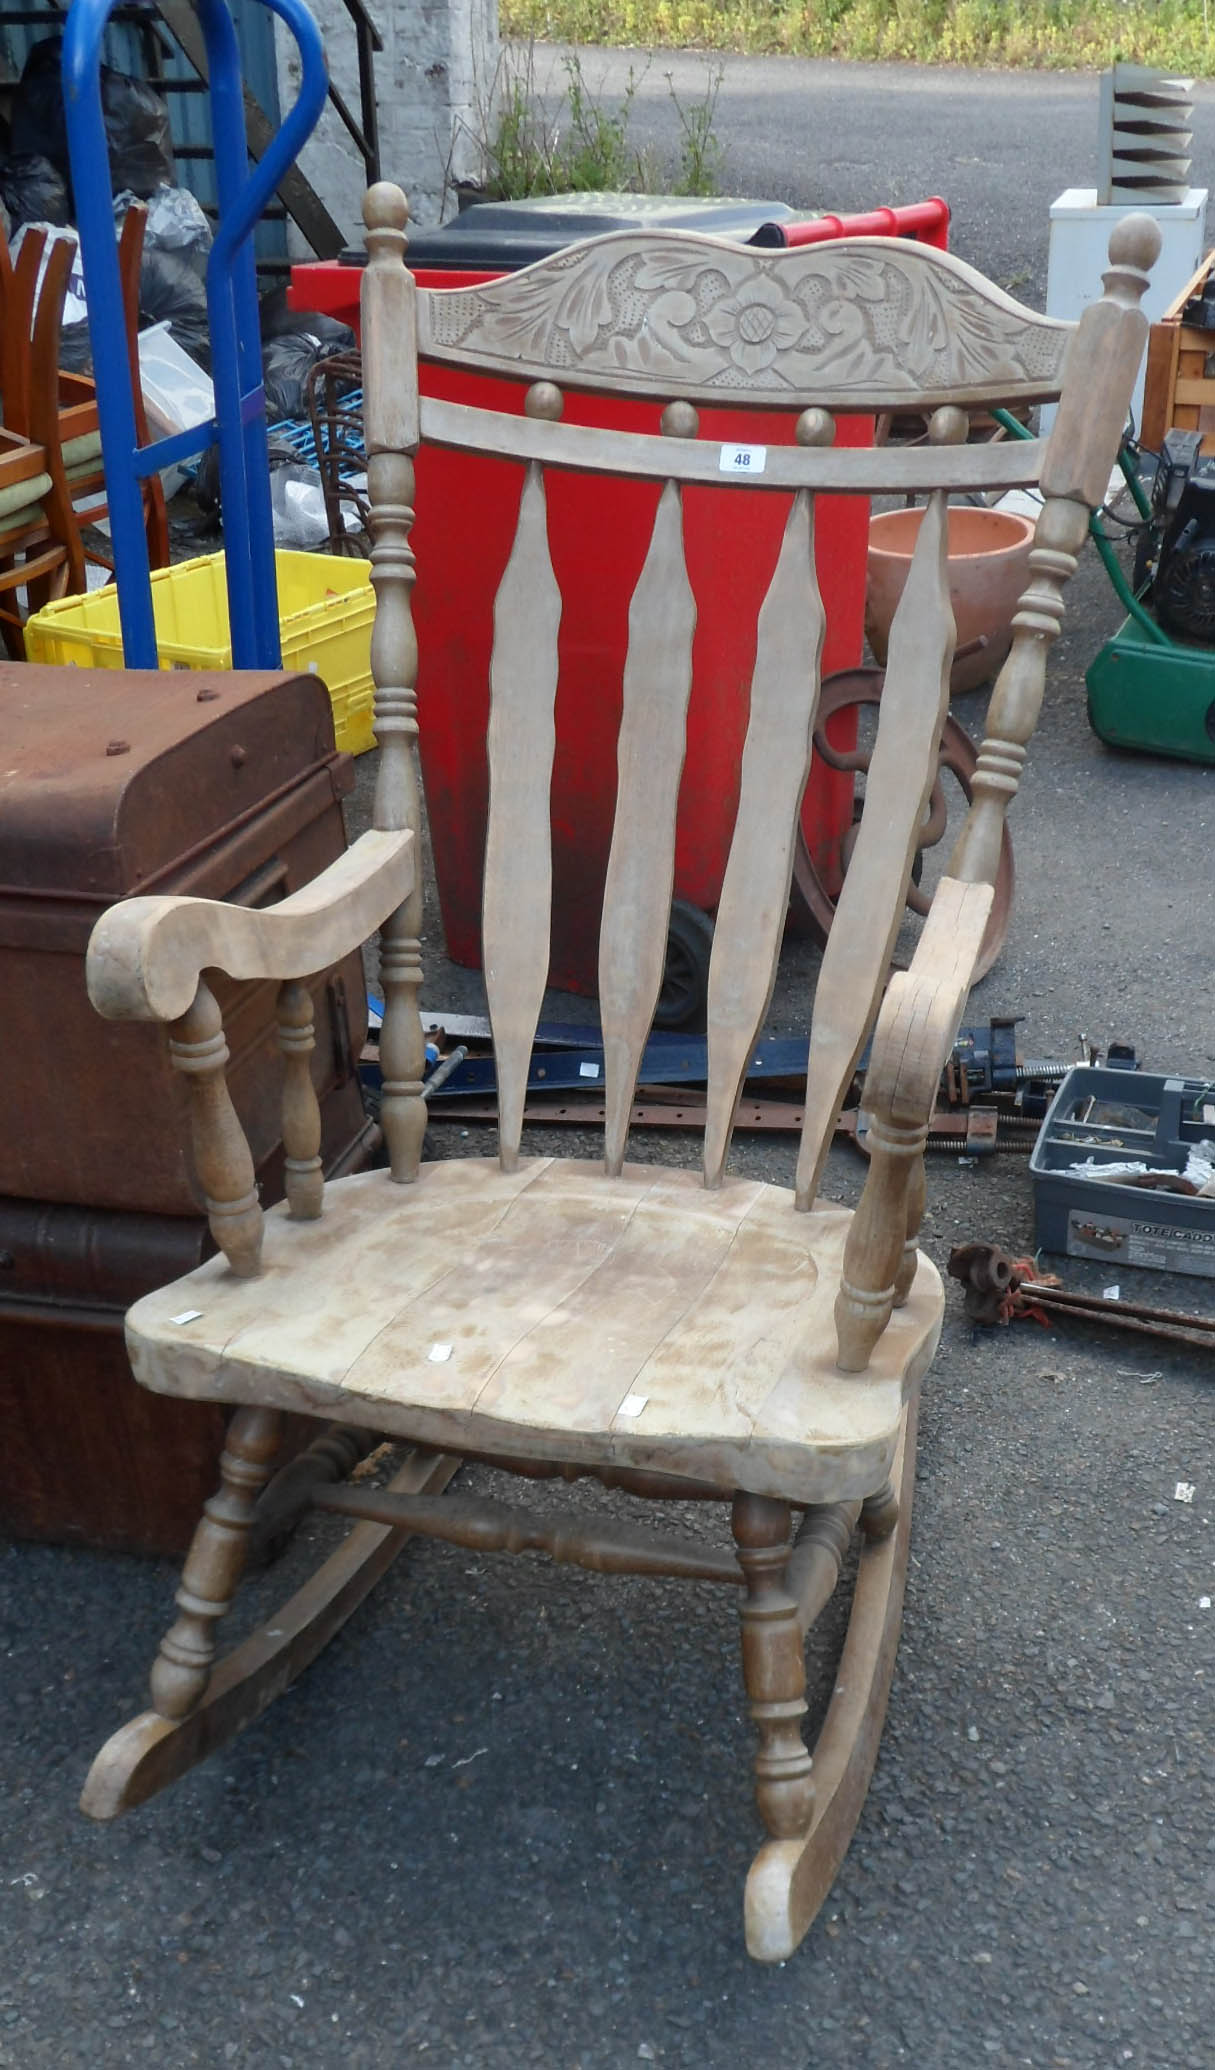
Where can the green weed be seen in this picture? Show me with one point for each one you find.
(533, 137)
(699, 149)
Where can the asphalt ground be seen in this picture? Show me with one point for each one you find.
(999, 146)
(506, 1817)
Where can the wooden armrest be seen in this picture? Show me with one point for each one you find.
(916, 1029)
(922, 1011)
(147, 955)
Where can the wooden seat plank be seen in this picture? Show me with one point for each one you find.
(525, 1309)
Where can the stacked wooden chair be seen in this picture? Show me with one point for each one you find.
(77, 458)
(679, 1334)
(41, 556)
(50, 438)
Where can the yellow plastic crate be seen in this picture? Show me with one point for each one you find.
(326, 607)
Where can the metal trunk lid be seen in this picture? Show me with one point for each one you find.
(115, 782)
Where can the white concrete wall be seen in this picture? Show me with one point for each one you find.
(433, 76)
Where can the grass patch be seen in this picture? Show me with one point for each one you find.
(1178, 35)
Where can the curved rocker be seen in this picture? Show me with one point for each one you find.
(789, 1879)
(152, 1751)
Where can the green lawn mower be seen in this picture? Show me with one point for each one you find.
(1152, 686)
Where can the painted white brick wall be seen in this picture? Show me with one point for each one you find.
(435, 71)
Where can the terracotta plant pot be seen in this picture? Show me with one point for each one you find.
(988, 570)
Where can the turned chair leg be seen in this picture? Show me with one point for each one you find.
(215, 1562)
(774, 1666)
(880, 1512)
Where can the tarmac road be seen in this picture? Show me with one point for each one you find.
(999, 146)
(505, 1820)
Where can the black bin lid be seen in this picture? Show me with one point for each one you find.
(502, 236)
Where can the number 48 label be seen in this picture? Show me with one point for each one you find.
(743, 459)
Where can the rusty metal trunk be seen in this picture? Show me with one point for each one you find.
(115, 783)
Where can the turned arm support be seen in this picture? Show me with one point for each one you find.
(147, 960)
(147, 955)
(915, 1032)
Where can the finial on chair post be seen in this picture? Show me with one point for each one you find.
(1100, 369)
(385, 209)
(1134, 249)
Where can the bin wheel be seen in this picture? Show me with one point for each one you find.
(861, 688)
(685, 976)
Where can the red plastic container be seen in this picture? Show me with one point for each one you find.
(599, 531)
(925, 221)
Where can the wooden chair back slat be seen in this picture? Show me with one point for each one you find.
(641, 861)
(775, 767)
(915, 700)
(40, 304)
(518, 845)
(18, 302)
(993, 465)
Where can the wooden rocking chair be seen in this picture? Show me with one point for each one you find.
(676, 1334)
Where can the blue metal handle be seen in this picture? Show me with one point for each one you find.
(239, 426)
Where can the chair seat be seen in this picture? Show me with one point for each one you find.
(21, 502)
(552, 1313)
(82, 455)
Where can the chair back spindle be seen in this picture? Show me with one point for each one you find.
(915, 699)
(304, 1180)
(641, 859)
(392, 432)
(518, 844)
(775, 767)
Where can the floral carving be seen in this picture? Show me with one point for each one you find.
(757, 324)
(867, 321)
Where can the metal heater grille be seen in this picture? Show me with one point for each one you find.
(1144, 136)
